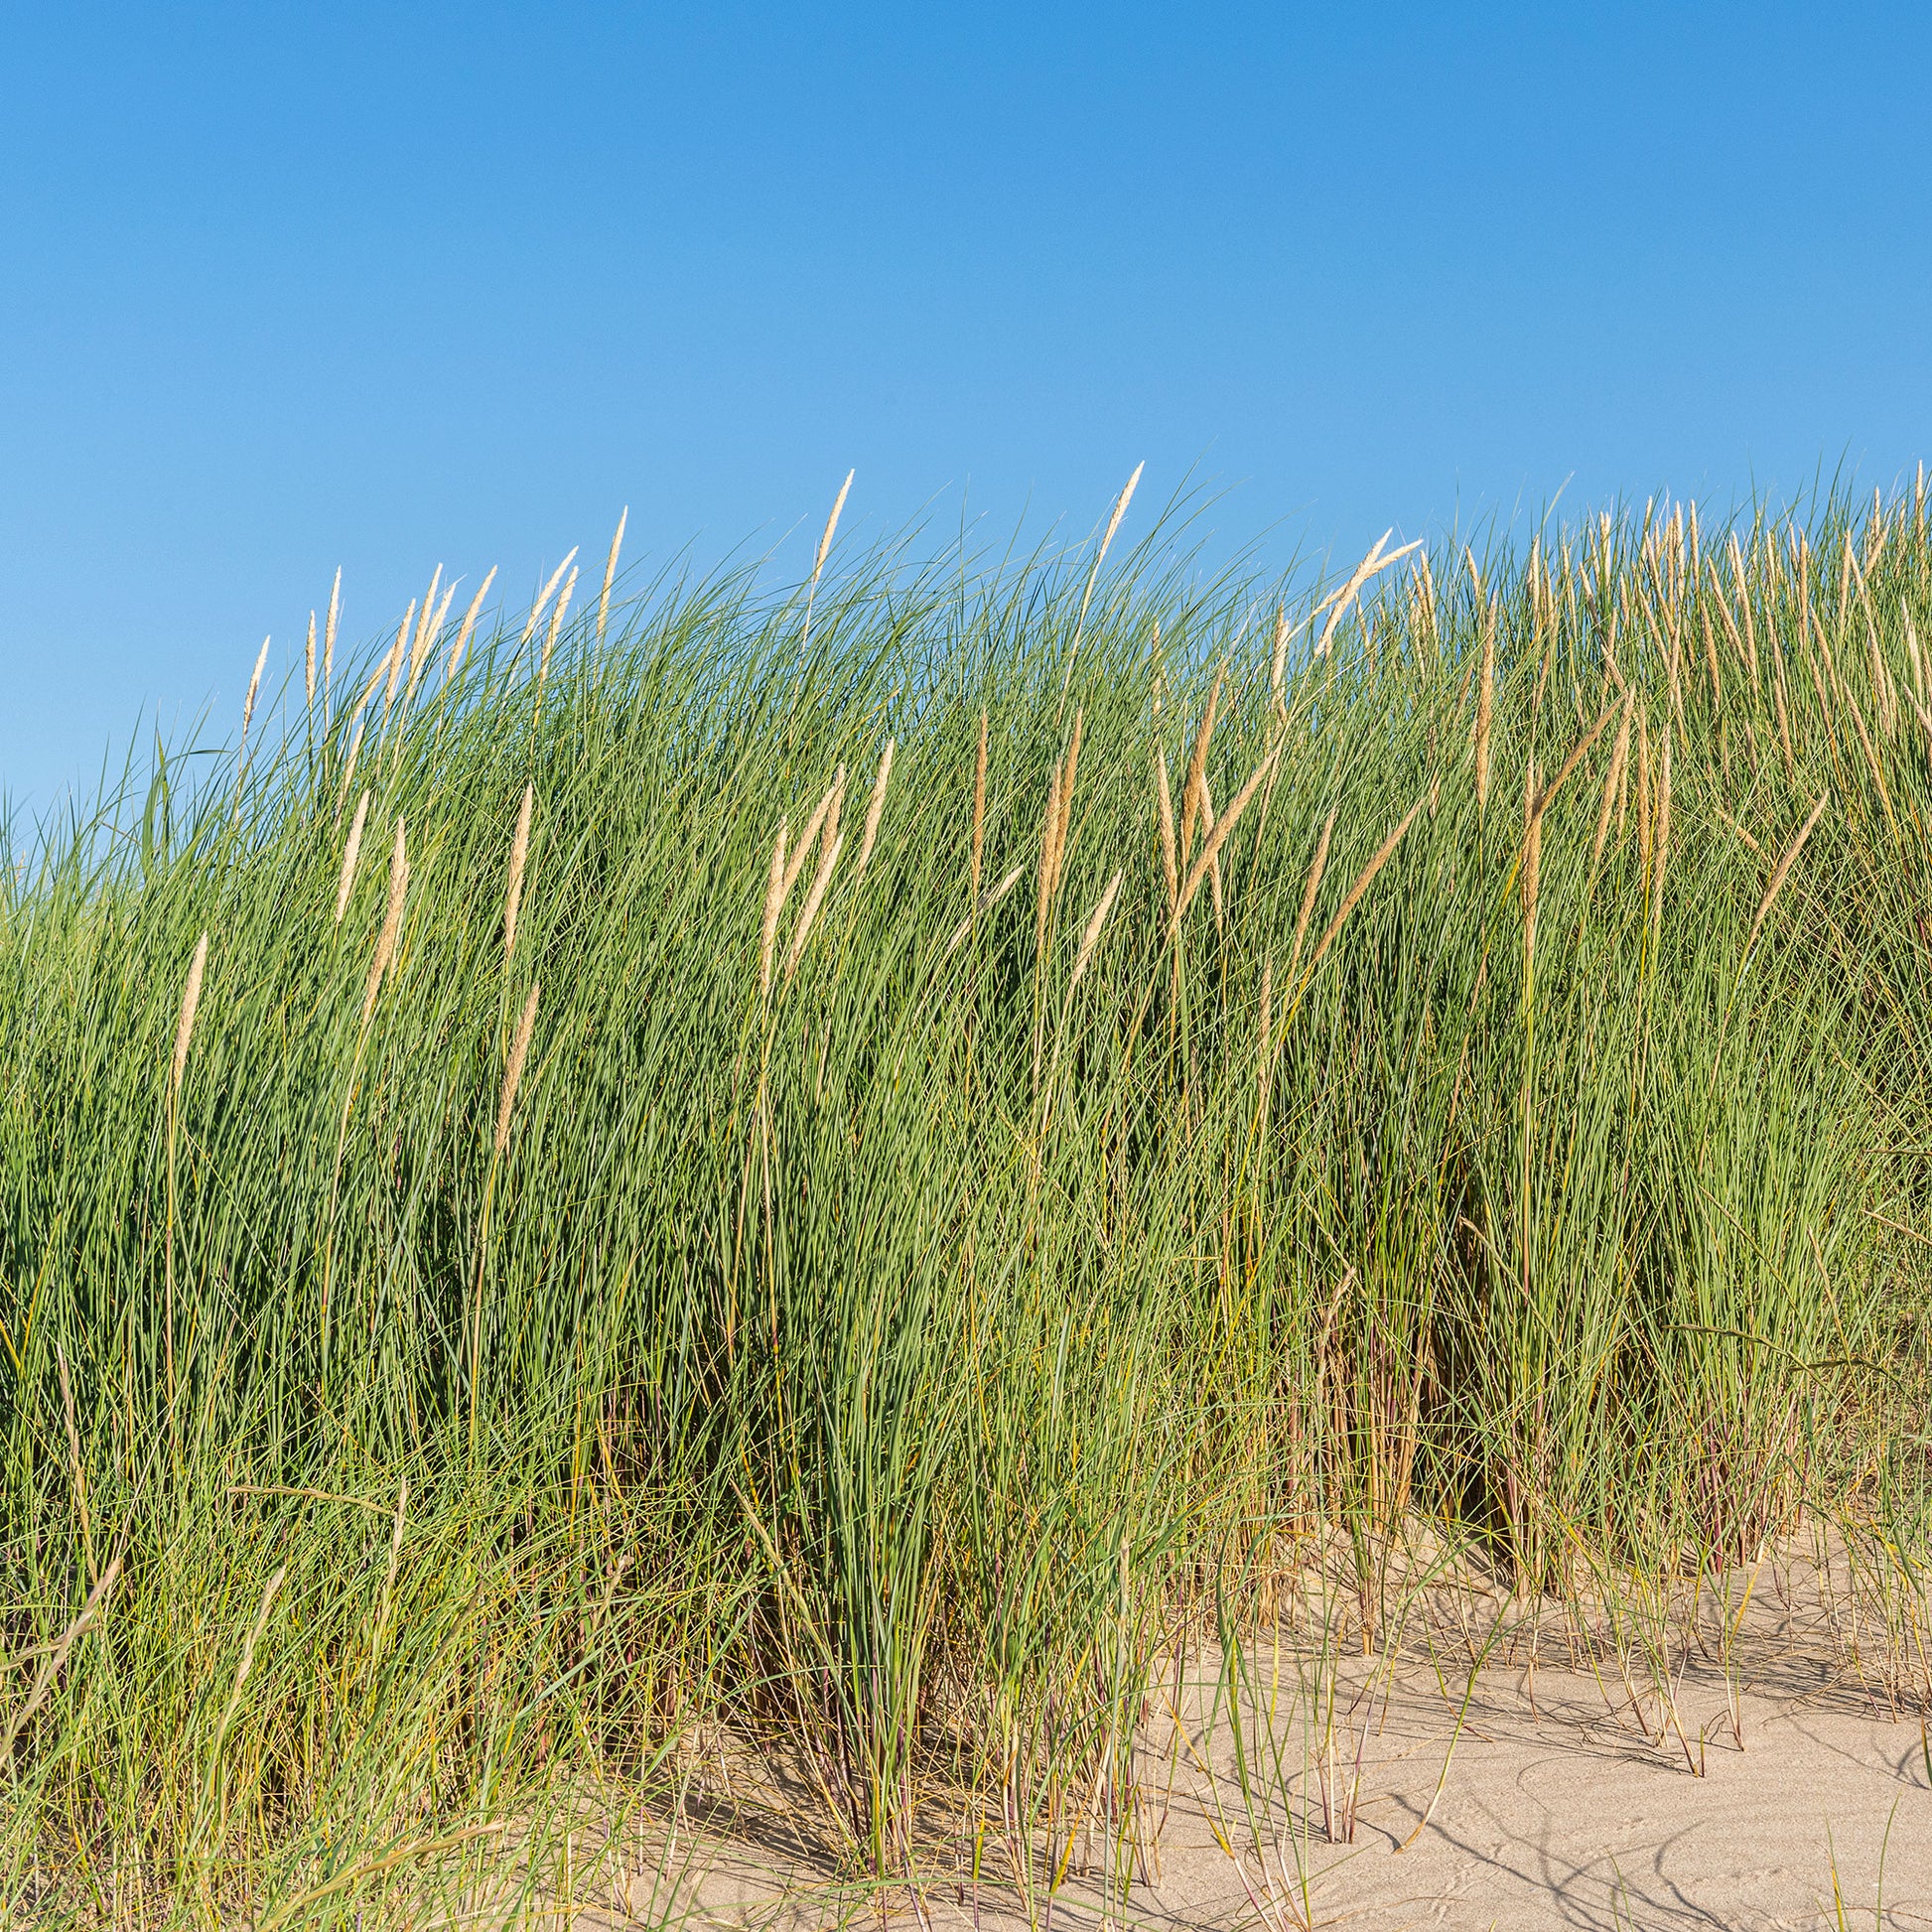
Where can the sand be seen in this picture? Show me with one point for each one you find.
(1572, 1799)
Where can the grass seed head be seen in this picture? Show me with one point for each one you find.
(385, 945)
(874, 810)
(537, 609)
(1091, 936)
(610, 571)
(467, 626)
(519, 855)
(191, 998)
(513, 1071)
(352, 851)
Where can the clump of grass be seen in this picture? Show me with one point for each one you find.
(421, 1438)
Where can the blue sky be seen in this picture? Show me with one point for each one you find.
(386, 286)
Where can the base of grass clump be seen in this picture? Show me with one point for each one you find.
(864, 1172)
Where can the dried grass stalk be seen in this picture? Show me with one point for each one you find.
(1781, 871)
(1223, 827)
(426, 636)
(191, 998)
(1121, 502)
(1069, 766)
(519, 855)
(1383, 853)
(352, 851)
(513, 1071)
(309, 665)
(348, 769)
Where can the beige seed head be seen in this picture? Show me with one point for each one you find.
(809, 912)
(775, 901)
(349, 769)
(873, 812)
(427, 634)
(537, 609)
(519, 855)
(329, 632)
(397, 651)
(611, 573)
(1120, 509)
(254, 685)
(1371, 566)
(831, 527)
(191, 998)
(419, 639)
(1613, 782)
(1196, 765)
(1069, 768)
(803, 852)
(1091, 936)
(1121, 502)
(309, 664)
(468, 624)
(1277, 664)
(556, 625)
(513, 1071)
(385, 945)
(352, 851)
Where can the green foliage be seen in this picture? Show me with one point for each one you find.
(883, 1349)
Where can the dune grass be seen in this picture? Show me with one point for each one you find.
(836, 1167)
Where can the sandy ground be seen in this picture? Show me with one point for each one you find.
(1571, 1800)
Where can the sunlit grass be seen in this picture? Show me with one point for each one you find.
(837, 1164)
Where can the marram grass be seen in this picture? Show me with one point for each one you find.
(872, 1313)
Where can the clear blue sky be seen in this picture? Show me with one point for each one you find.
(391, 285)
